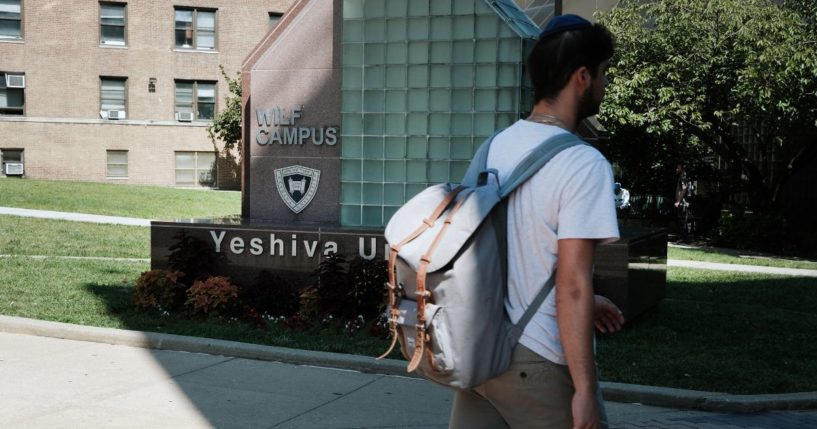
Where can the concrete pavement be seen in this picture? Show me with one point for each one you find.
(64, 375)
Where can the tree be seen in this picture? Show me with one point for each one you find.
(226, 125)
(692, 78)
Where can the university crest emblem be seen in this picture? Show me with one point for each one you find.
(297, 185)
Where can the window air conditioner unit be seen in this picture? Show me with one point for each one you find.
(184, 116)
(116, 114)
(13, 169)
(15, 81)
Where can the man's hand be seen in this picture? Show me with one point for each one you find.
(607, 316)
(585, 411)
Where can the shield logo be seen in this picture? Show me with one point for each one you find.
(297, 185)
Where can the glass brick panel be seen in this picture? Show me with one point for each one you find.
(438, 171)
(352, 101)
(396, 30)
(372, 193)
(510, 50)
(353, 31)
(463, 7)
(464, 27)
(418, 76)
(395, 124)
(440, 100)
(418, 52)
(350, 193)
(396, 101)
(374, 8)
(441, 7)
(350, 169)
(418, 100)
(374, 29)
(418, 8)
(438, 148)
(396, 8)
(352, 53)
(373, 147)
(440, 124)
(418, 28)
(417, 123)
(352, 78)
(462, 76)
(485, 100)
(441, 52)
(507, 75)
(372, 215)
(413, 189)
(352, 9)
(487, 26)
(373, 123)
(374, 101)
(462, 100)
(440, 76)
(388, 212)
(373, 53)
(416, 171)
(396, 76)
(417, 148)
(396, 53)
(458, 169)
(395, 147)
(505, 100)
(350, 215)
(461, 124)
(352, 124)
(485, 76)
(461, 147)
(351, 147)
(394, 193)
(372, 171)
(486, 51)
(395, 171)
(463, 51)
(484, 124)
(441, 28)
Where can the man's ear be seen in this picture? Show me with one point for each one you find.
(583, 77)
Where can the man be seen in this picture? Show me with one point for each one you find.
(555, 220)
(682, 187)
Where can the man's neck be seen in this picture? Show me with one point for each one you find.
(560, 111)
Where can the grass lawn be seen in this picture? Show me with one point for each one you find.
(726, 256)
(148, 202)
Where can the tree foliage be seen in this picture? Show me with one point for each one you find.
(226, 125)
(690, 76)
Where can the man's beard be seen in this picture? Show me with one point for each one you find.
(588, 105)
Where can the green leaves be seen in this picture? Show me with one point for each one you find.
(226, 125)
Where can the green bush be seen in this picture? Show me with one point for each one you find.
(271, 295)
(159, 289)
(743, 230)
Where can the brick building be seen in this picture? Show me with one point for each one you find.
(120, 91)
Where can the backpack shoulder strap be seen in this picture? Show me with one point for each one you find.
(537, 159)
(479, 163)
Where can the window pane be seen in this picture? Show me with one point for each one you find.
(9, 28)
(184, 28)
(112, 14)
(206, 26)
(206, 110)
(205, 160)
(117, 157)
(11, 98)
(113, 34)
(185, 177)
(206, 100)
(185, 160)
(117, 170)
(184, 96)
(113, 94)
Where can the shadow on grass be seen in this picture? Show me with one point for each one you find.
(721, 332)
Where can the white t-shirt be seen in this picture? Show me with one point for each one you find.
(571, 197)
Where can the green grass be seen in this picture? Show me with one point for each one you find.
(727, 256)
(30, 236)
(721, 331)
(148, 202)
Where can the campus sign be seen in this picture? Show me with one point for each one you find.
(280, 126)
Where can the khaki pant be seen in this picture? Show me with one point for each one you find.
(533, 393)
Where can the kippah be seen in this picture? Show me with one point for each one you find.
(563, 23)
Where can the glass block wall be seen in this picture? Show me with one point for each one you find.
(424, 83)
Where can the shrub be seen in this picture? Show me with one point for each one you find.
(271, 295)
(367, 287)
(214, 296)
(160, 290)
(194, 257)
(743, 230)
(325, 298)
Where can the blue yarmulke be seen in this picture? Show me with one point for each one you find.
(564, 23)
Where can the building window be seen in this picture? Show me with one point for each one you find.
(195, 168)
(117, 164)
(12, 162)
(112, 97)
(12, 93)
(112, 24)
(11, 22)
(195, 100)
(196, 29)
(274, 17)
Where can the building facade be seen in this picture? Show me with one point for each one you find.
(120, 91)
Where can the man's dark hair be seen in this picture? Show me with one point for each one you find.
(554, 58)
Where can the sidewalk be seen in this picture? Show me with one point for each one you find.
(63, 375)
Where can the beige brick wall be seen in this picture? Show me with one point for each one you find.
(586, 8)
(62, 133)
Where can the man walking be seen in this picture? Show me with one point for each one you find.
(555, 221)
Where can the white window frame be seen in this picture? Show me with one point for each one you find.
(22, 21)
(195, 106)
(11, 111)
(197, 171)
(103, 110)
(194, 29)
(109, 164)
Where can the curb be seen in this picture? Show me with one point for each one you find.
(615, 392)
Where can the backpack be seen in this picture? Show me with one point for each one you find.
(448, 273)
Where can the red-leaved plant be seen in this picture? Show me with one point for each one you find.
(159, 289)
(216, 296)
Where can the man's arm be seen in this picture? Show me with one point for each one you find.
(574, 310)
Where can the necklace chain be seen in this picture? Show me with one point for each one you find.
(542, 118)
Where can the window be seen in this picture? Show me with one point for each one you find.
(117, 164)
(195, 100)
(11, 22)
(196, 29)
(12, 93)
(274, 17)
(112, 97)
(112, 24)
(195, 168)
(14, 157)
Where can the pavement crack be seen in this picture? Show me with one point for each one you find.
(326, 403)
(229, 359)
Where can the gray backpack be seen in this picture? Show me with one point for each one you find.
(448, 273)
